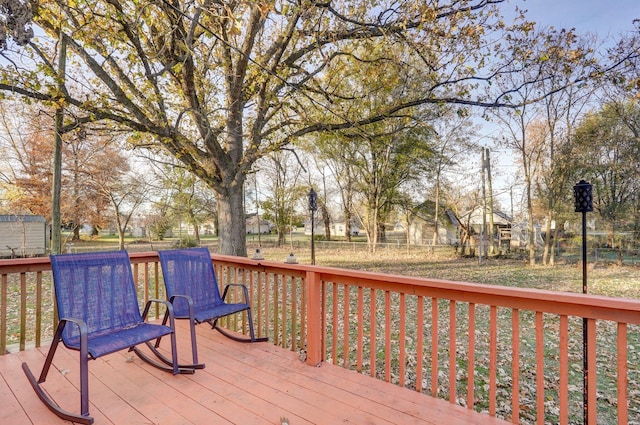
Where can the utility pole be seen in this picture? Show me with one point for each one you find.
(255, 182)
(484, 207)
(56, 220)
(490, 231)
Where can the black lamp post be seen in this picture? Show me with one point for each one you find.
(584, 204)
(313, 206)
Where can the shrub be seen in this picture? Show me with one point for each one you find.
(185, 243)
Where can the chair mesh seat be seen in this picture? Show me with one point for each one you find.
(219, 310)
(112, 341)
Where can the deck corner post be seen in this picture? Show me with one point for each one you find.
(314, 319)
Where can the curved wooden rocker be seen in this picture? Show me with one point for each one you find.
(99, 315)
(192, 288)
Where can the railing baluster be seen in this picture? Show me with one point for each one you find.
(294, 314)
(303, 314)
(345, 326)
(540, 367)
(235, 298)
(402, 337)
(471, 355)
(145, 284)
(156, 274)
(3, 313)
(136, 279)
(267, 304)
(23, 311)
(360, 329)
(622, 370)
(283, 307)
(387, 336)
(420, 343)
(256, 304)
(515, 365)
(372, 332)
(276, 303)
(591, 360)
(323, 311)
(434, 346)
(493, 358)
(334, 323)
(564, 370)
(453, 397)
(38, 318)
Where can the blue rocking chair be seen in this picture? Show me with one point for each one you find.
(99, 315)
(192, 288)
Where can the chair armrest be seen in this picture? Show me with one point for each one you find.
(189, 303)
(167, 304)
(78, 322)
(84, 333)
(244, 289)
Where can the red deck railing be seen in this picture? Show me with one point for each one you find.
(509, 352)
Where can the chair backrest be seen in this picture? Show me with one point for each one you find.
(96, 287)
(190, 272)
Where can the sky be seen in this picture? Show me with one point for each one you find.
(606, 18)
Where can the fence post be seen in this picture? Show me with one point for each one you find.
(314, 318)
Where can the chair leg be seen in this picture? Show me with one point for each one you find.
(84, 417)
(214, 325)
(165, 364)
(194, 348)
(251, 331)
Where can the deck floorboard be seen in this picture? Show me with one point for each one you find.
(241, 384)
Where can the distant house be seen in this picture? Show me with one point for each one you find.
(337, 227)
(183, 229)
(502, 225)
(255, 226)
(422, 226)
(23, 236)
(520, 235)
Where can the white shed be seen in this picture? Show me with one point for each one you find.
(22, 236)
(255, 226)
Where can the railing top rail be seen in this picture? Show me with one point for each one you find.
(583, 305)
(560, 302)
(24, 265)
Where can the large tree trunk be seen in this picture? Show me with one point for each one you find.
(233, 229)
(372, 224)
(327, 220)
(120, 231)
(347, 223)
(120, 238)
(196, 228)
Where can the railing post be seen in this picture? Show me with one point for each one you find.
(314, 319)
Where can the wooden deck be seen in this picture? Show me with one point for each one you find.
(241, 384)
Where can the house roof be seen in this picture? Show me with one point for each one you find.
(474, 216)
(253, 221)
(426, 212)
(10, 218)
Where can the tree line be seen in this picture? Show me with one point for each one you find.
(222, 88)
